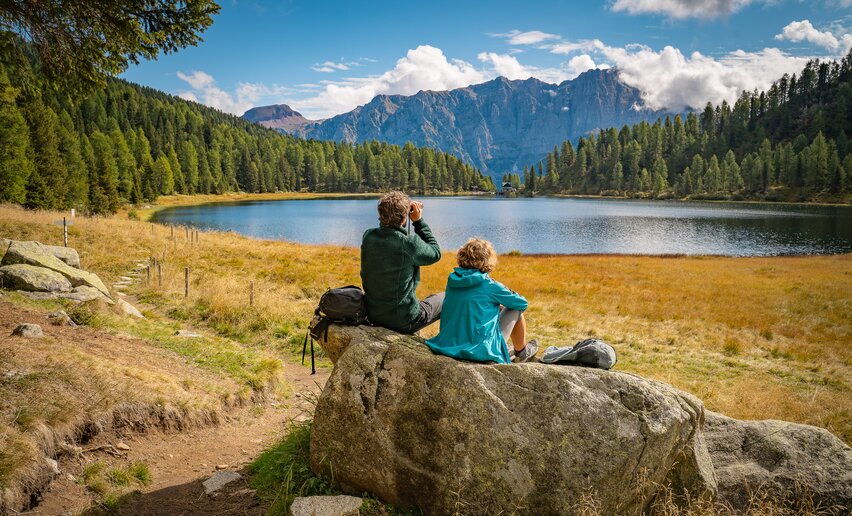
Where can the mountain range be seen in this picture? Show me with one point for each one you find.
(499, 126)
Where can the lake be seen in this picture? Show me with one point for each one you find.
(550, 225)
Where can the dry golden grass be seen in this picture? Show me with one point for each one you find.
(755, 338)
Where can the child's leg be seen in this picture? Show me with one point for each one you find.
(519, 334)
(514, 327)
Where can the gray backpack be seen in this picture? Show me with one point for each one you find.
(589, 353)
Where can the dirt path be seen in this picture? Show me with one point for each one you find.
(180, 462)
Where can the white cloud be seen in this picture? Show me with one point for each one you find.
(506, 65)
(582, 63)
(197, 79)
(422, 68)
(516, 37)
(804, 31)
(682, 8)
(204, 90)
(331, 66)
(670, 80)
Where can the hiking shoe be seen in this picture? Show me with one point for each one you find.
(526, 354)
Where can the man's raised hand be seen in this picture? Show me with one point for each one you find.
(416, 211)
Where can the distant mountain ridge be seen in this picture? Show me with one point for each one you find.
(499, 126)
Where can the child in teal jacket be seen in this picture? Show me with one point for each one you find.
(481, 314)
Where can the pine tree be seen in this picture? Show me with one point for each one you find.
(15, 164)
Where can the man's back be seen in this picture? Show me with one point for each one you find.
(390, 260)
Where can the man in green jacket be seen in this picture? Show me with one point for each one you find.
(391, 258)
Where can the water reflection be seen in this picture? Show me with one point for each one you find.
(551, 225)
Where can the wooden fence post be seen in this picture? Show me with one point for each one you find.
(148, 269)
(160, 275)
(186, 282)
(251, 293)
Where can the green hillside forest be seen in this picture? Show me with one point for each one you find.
(787, 143)
(127, 143)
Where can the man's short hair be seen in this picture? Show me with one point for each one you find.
(393, 208)
(477, 254)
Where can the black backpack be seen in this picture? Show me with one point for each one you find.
(344, 305)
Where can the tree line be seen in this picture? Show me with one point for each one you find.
(787, 143)
(129, 144)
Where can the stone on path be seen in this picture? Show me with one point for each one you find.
(326, 506)
(34, 253)
(187, 334)
(128, 309)
(32, 279)
(219, 480)
(121, 445)
(27, 330)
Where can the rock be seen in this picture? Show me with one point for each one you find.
(4, 245)
(220, 480)
(780, 460)
(187, 334)
(413, 428)
(220, 467)
(32, 279)
(52, 465)
(84, 294)
(61, 318)
(121, 445)
(128, 309)
(33, 253)
(66, 254)
(30, 331)
(326, 506)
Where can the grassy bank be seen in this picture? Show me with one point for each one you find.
(753, 337)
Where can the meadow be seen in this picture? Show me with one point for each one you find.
(755, 338)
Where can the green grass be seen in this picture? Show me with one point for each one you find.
(283, 473)
(140, 472)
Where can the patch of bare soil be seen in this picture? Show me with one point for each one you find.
(179, 458)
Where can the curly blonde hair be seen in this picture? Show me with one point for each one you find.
(477, 254)
(393, 208)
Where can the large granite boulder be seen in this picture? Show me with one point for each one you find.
(32, 279)
(787, 463)
(418, 429)
(33, 253)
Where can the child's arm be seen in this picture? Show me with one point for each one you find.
(506, 297)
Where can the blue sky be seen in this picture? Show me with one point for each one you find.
(327, 57)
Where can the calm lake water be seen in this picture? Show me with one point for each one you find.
(550, 225)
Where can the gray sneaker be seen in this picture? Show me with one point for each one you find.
(526, 354)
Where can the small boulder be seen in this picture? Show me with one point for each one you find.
(66, 254)
(219, 480)
(130, 310)
(52, 466)
(781, 461)
(187, 334)
(60, 318)
(32, 279)
(326, 506)
(33, 253)
(29, 331)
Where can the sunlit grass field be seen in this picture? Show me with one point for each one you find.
(754, 338)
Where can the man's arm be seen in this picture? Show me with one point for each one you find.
(426, 250)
